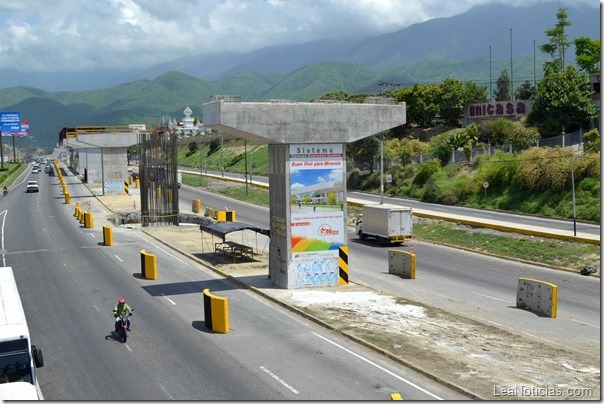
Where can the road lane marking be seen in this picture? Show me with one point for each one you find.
(583, 322)
(161, 249)
(494, 298)
(161, 386)
(277, 378)
(168, 299)
(378, 366)
(118, 258)
(92, 235)
(3, 213)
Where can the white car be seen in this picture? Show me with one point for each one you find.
(35, 170)
(32, 186)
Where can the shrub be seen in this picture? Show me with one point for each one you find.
(592, 141)
(426, 170)
(354, 179)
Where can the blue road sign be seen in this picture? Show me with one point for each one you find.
(10, 122)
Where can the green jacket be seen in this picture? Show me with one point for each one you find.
(124, 311)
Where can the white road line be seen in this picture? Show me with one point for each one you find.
(583, 322)
(378, 366)
(277, 378)
(92, 235)
(118, 258)
(494, 298)
(165, 391)
(64, 264)
(3, 213)
(168, 299)
(161, 249)
(130, 349)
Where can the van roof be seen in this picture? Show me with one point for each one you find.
(12, 317)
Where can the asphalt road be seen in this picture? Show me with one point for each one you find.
(477, 214)
(70, 281)
(477, 286)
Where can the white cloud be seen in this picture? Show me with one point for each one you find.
(82, 35)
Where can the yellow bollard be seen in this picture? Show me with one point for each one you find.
(67, 198)
(88, 220)
(107, 235)
(158, 192)
(77, 207)
(138, 183)
(148, 265)
(130, 180)
(196, 205)
(82, 215)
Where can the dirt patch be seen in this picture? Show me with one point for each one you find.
(482, 359)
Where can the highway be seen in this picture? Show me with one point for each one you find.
(476, 286)
(70, 281)
(588, 230)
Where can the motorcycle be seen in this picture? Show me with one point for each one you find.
(5, 191)
(122, 327)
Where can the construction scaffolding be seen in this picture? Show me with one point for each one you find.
(158, 167)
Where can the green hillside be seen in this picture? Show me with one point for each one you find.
(166, 96)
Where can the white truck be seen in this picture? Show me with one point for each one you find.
(385, 223)
(18, 357)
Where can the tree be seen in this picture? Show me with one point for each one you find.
(558, 42)
(421, 101)
(406, 148)
(451, 101)
(525, 92)
(454, 96)
(364, 150)
(587, 54)
(502, 91)
(563, 99)
(193, 147)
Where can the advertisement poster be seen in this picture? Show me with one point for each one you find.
(318, 225)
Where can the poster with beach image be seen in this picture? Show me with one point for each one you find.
(318, 227)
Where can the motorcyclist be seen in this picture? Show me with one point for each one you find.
(5, 190)
(122, 309)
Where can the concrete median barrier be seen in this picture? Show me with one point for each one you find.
(216, 312)
(148, 265)
(401, 263)
(538, 296)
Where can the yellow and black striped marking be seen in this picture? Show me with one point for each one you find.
(343, 265)
(126, 188)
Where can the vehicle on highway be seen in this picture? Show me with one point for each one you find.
(32, 186)
(18, 357)
(122, 327)
(385, 223)
(35, 170)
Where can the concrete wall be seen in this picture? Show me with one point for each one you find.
(280, 247)
(115, 169)
(91, 160)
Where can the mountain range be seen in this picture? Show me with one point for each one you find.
(475, 45)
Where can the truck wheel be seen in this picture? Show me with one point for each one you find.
(362, 236)
(381, 240)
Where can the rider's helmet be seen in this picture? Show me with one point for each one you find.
(121, 301)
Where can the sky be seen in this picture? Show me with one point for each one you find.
(85, 35)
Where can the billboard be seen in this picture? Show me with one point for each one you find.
(318, 227)
(10, 123)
